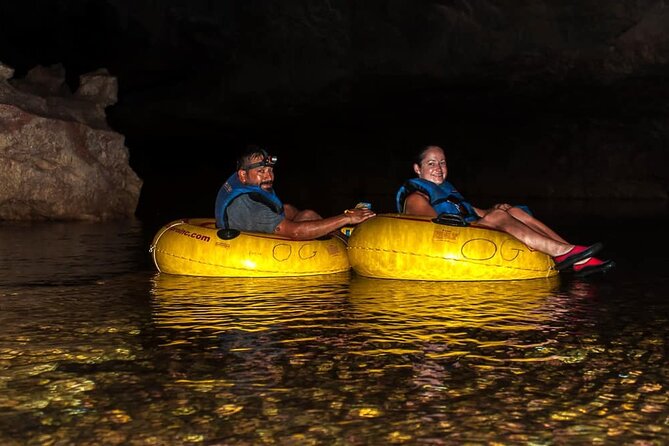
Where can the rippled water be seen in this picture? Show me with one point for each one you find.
(96, 348)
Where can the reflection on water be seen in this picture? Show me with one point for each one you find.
(98, 348)
(213, 306)
(446, 319)
(455, 320)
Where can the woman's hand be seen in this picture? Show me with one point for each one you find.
(502, 206)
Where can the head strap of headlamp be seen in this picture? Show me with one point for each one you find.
(267, 160)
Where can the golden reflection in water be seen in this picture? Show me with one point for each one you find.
(442, 319)
(214, 305)
(493, 321)
(492, 305)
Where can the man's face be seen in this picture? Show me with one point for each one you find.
(262, 176)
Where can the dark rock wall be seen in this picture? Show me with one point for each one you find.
(286, 52)
(532, 98)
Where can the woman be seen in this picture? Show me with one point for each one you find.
(430, 194)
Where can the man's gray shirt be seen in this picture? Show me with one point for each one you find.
(246, 214)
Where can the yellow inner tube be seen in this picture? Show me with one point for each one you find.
(195, 247)
(396, 246)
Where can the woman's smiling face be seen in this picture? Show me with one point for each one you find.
(432, 165)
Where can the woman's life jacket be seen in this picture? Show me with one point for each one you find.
(444, 198)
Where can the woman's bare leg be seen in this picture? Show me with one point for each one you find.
(535, 224)
(503, 221)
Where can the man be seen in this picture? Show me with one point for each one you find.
(247, 202)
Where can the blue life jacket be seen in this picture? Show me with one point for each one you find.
(233, 188)
(444, 198)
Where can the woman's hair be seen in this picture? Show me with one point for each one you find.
(421, 154)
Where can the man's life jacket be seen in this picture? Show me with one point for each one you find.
(233, 188)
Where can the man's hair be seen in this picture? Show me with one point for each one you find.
(248, 153)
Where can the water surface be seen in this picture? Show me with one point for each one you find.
(96, 347)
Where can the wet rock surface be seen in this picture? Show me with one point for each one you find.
(60, 160)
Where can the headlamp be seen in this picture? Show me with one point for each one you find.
(266, 161)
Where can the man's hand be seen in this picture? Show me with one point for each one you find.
(358, 215)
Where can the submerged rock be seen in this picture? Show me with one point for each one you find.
(58, 156)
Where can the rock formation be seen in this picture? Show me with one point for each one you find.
(58, 157)
(563, 100)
